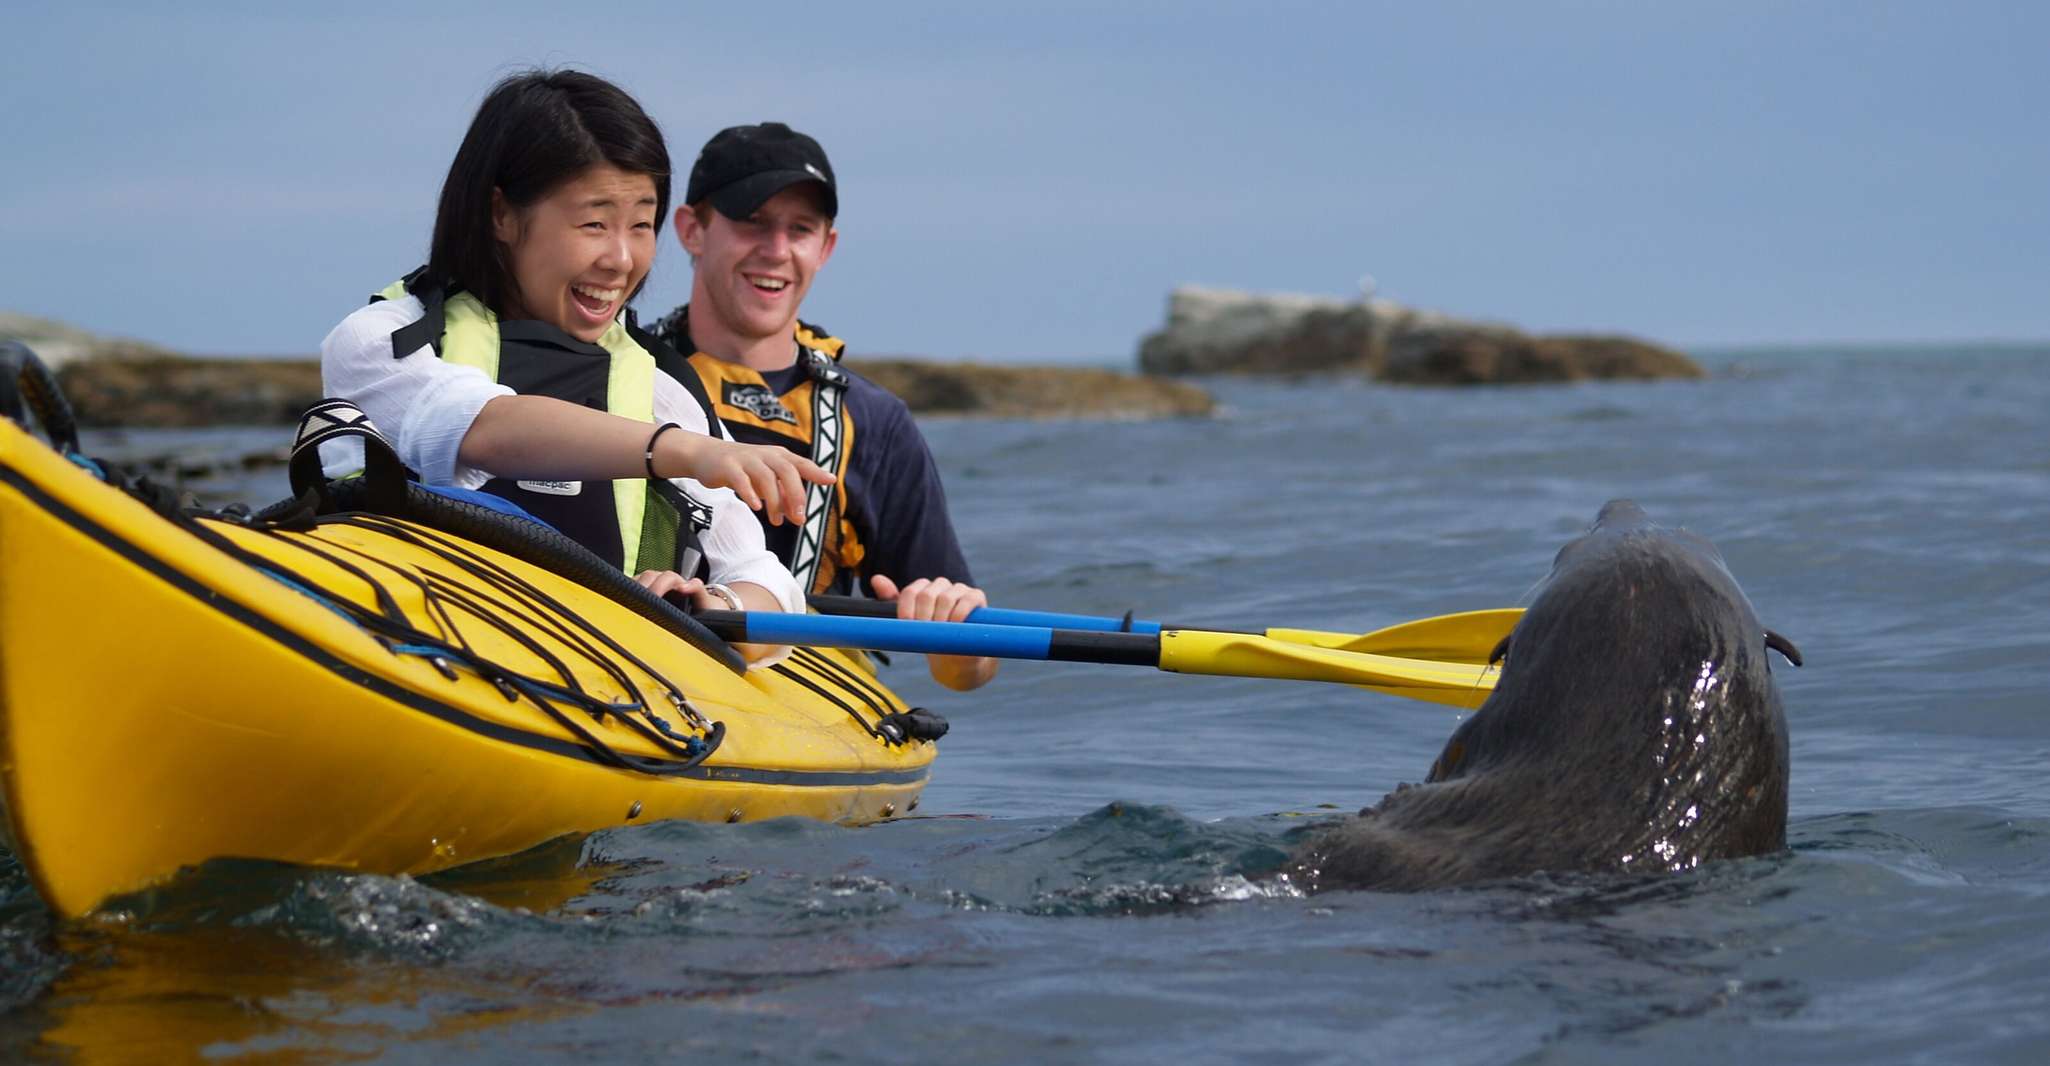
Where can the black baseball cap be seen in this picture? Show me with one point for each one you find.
(742, 166)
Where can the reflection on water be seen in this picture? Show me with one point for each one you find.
(244, 958)
(218, 992)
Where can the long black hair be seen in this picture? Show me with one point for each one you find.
(534, 131)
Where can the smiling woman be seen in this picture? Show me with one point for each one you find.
(510, 362)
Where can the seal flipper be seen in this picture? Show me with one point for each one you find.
(1784, 646)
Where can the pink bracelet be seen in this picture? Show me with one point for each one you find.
(649, 459)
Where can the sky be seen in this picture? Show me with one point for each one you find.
(1027, 182)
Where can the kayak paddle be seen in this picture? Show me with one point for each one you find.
(1182, 651)
(1466, 637)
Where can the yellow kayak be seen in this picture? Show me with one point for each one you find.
(374, 693)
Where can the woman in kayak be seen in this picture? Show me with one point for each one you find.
(510, 363)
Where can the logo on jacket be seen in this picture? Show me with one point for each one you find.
(756, 400)
(552, 488)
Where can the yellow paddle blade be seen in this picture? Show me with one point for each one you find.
(1466, 637)
(1195, 651)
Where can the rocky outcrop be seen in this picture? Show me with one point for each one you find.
(1213, 331)
(127, 383)
(1031, 391)
(115, 381)
(59, 343)
(174, 391)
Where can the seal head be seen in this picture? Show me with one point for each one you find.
(1636, 727)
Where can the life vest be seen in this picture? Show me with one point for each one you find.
(811, 420)
(616, 374)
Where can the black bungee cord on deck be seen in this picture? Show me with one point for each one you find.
(402, 637)
(547, 610)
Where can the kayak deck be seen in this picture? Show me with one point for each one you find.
(173, 692)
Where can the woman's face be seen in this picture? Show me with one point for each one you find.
(578, 252)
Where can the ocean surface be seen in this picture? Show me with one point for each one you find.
(1080, 883)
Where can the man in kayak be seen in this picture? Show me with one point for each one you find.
(758, 222)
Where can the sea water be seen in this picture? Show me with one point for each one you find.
(1081, 881)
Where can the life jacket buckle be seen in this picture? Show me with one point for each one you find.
(822, 368)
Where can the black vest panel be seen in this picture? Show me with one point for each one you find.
(537, 359)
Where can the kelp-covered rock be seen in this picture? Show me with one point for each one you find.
(1216, 331)
(1483, 358)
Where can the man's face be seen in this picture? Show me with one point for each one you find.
(753, 273)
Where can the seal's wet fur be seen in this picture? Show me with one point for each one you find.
(1635, 728)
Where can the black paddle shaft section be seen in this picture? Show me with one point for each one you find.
(853, 606)
(1122, 649)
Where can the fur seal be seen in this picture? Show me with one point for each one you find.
(1635, 728)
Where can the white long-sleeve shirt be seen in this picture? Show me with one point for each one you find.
(425, 405)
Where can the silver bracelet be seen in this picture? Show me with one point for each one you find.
(732, 598)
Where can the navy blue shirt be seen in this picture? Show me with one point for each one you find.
(894, 495)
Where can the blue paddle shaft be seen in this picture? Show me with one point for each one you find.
(934, 638)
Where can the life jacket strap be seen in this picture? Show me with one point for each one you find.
(426, 332)
(828, 389)
(675, 527)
